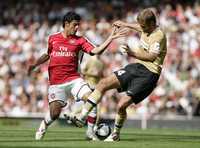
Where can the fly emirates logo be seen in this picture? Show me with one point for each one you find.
(63, 52)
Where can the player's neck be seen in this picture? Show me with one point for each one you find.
(66, 34)
(152, 30)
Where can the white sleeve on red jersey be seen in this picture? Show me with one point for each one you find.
(86, 45)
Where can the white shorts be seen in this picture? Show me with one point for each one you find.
(76, 88)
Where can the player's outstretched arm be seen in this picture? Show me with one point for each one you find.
(41, 60)
(116, 33)
(134, 26)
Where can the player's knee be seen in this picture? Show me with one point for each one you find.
(55, 109)
(55, 114)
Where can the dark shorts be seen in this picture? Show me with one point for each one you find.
(137, 81)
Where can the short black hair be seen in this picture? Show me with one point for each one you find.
(70, 16)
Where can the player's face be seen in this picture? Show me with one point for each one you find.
(147, 28)
(72, 27)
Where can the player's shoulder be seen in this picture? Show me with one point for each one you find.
(76, 37)
(80, 37)
(56, 34)
(158, 33)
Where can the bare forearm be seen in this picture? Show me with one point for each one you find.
(142, 55)
(134, 26)
(102, 47)
(115, 33)
(42, 59)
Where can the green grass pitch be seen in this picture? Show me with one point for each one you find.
(71, 137)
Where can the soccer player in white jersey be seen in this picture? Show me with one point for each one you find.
(64, 79)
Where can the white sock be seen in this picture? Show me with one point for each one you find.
(47, 119)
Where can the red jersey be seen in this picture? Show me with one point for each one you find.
(63, 54)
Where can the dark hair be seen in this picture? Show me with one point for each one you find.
(147, 16)
(70, 16)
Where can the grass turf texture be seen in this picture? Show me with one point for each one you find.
(71, 137)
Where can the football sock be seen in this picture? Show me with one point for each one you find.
(119, 121)
(91, 119)
(47, 119)
(92, 101)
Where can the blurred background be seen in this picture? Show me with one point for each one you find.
(26, 25)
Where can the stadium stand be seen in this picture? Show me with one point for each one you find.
(24, 29)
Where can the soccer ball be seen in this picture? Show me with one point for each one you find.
(102, 131)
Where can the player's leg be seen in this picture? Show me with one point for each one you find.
(120, 118)
(91, 122)
(95, 97)
(120, 79)
(91, 119)
(75, 108)
(80, 91)
(53, 113)
(140, 85)
(140, 94)
(56, 97)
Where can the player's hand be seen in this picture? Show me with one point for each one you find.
(124, 49)
(119, 32)
(119, 24)
(31, 68)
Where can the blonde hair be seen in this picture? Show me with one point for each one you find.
(147, 16)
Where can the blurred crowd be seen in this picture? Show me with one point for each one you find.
(25, 26)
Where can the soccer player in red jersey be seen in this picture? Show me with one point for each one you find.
(64, 79)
